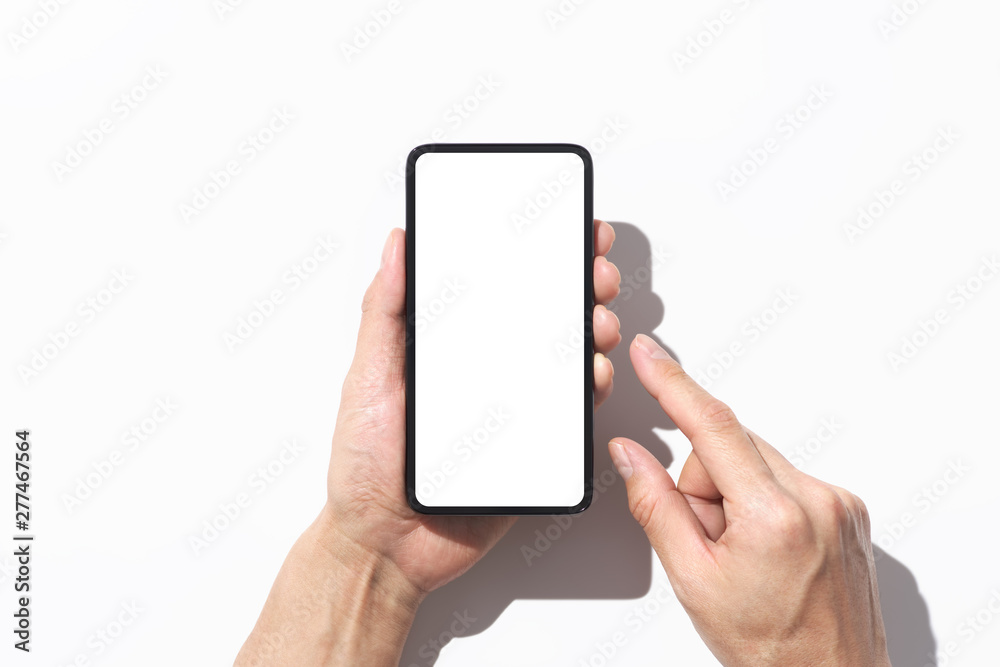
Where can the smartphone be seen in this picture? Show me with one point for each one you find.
(499, 347)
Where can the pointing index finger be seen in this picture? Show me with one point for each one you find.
(730, 458)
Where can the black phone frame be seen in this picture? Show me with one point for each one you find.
(588, 312)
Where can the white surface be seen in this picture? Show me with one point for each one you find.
(662, 139)
(499, 416)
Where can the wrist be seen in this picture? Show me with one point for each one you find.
(371, 571)
(334, 603)
(375, 603)
(812, 652)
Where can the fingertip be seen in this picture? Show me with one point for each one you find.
(656, 370)
(649, 347)
(607, 280)
(620, 457)
(607, 330)
(604, 370)
(604, 373)
(655, 503)
(604, 237)
(387, 291)
(641, 460)
(386, 249)
(396, 247)
(618, 322)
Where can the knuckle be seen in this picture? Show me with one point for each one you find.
(670, 371)
(866, 521)
(835, 506)
(369, 299)
(857, 509)
(789, 521)
(834, 509)
(643, 506)
(854, 504)
(717, 417)
(862, 509)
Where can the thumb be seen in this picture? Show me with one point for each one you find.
(379, 365)
(663, 512)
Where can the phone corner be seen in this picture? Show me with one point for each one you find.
(415, 504)
(585, 502)
(416, 152)
(582, 153)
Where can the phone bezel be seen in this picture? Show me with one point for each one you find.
(588, 310)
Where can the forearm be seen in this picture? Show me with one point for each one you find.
(332, 603)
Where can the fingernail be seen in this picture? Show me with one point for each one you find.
(386, 250)
(649, 347)
(620, 458)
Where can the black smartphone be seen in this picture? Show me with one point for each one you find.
(499, 305)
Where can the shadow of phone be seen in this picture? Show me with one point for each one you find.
(599, 554)
(907, 619)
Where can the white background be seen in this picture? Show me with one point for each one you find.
(663, 137)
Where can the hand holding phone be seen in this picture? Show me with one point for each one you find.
(366, 503)
(366, 544)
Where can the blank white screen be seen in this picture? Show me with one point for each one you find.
(499, 316)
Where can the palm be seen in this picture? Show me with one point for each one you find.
(441, 548)
(365, 483)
